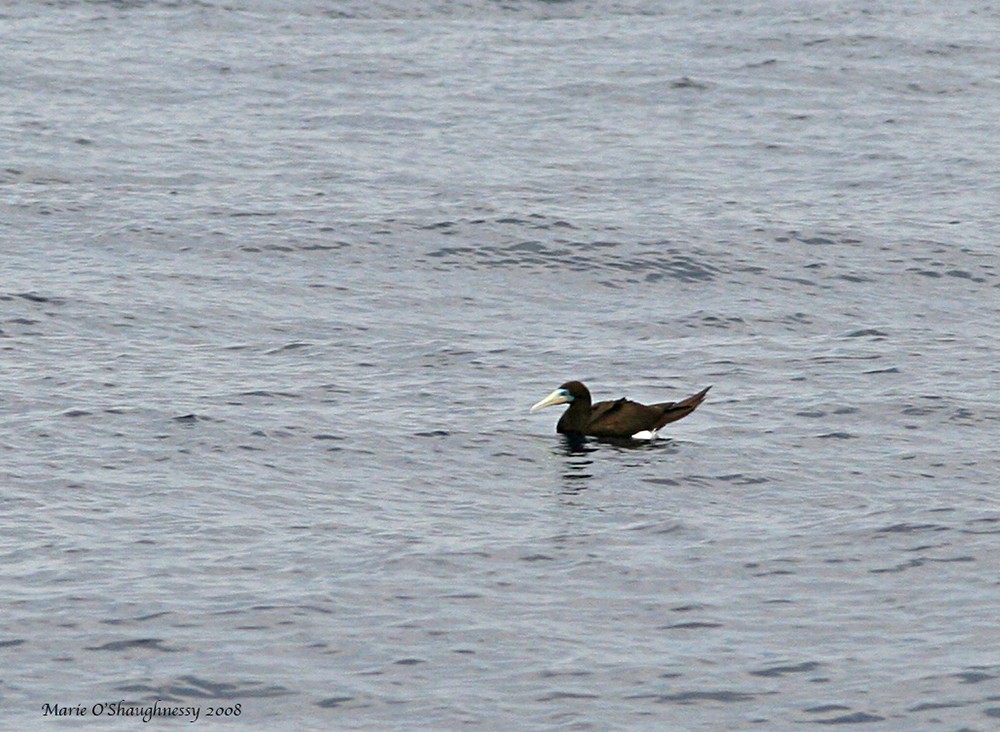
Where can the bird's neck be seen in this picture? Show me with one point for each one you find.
(576, 418)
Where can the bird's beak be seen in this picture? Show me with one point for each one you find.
(559, 396)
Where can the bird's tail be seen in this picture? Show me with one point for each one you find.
(673, 411)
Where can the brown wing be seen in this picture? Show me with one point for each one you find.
(621, 418)
(602, 409)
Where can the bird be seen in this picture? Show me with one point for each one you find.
(621, 418)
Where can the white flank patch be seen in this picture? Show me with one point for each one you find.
(645, 435)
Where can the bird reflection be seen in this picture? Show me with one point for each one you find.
(574, 444)
(577, 451)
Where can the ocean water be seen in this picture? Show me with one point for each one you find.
(279, 282)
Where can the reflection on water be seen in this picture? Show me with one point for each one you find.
(630, 445)
(573, 445)
(578, 451)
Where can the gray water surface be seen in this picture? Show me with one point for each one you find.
(279, 282)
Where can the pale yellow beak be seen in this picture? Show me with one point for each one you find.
(559, 396)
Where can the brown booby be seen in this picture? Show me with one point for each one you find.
(620, 418)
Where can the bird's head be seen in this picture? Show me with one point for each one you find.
(565, 394)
